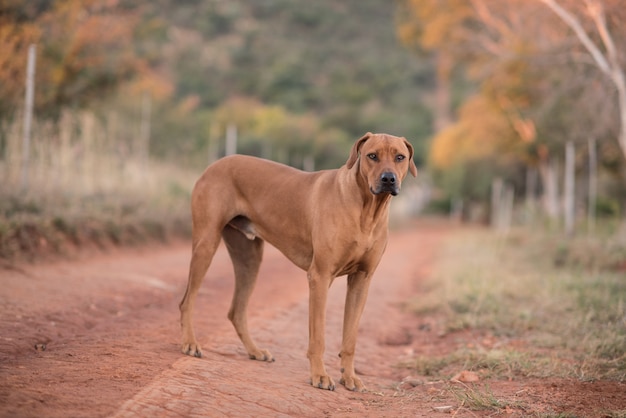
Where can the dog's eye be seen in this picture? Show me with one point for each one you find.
(400, 158)
(372, 157)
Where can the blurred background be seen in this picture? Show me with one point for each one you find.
(110, 109)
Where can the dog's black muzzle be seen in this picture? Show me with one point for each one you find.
(387, 183)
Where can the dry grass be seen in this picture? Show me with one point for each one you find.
(83, 188)
(549, 315)
(479, 398)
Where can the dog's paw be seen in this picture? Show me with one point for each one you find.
(192, 349)
(261, 355)
(352, 383)
(323, 382)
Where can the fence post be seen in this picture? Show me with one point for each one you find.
(569, 208)
(144, 130)
(212, 143)
(593, 187)
(28, 113)
(531, 194)
(231, 139)
(497, 186)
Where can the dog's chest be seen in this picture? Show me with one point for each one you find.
(361, 252)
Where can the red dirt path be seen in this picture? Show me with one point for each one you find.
(109, 324)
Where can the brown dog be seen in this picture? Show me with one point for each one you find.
(329, 223)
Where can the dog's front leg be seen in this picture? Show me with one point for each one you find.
(318, 292)
(356, 295)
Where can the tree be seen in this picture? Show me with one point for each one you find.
(85, 50)
(486, 42)
(603, 50)
(17, 32)
(88, 45)
(440, 28)
(522, 61)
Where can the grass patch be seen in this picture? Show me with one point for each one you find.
(59, 220)
(496, 362)
(615, 414)
(552, 316)
(478, 398)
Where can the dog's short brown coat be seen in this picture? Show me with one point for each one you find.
(329, 223)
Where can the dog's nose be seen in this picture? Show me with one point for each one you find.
(388, 178)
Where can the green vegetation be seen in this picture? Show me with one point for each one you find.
(332, 71)
(532, 304)
(133, 99)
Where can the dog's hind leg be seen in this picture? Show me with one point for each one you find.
(202, 253)
(246, 252)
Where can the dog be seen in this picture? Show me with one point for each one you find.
(329, 223)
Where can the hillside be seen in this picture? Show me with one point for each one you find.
(340, 61)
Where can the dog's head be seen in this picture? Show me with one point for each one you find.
(384, 161)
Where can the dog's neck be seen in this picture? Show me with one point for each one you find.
(373, 208)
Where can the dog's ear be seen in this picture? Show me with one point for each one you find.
(412, 168)
(356, 148)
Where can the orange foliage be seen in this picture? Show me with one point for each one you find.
(434, 24)
(237, 110)
(149, 80)
(83, 48)
(14, 42)
(483, 130)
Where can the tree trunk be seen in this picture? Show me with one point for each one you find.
(607, 61)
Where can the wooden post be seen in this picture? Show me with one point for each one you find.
(568, 192)
(548, 170)
(531, 193)
(308, 163)
(231, 139)
(144, 134)
(593, 187)
(506, 210)
(497, 186)
(212, 143)
(28, 113)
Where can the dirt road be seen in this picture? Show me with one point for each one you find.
(100, 337)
